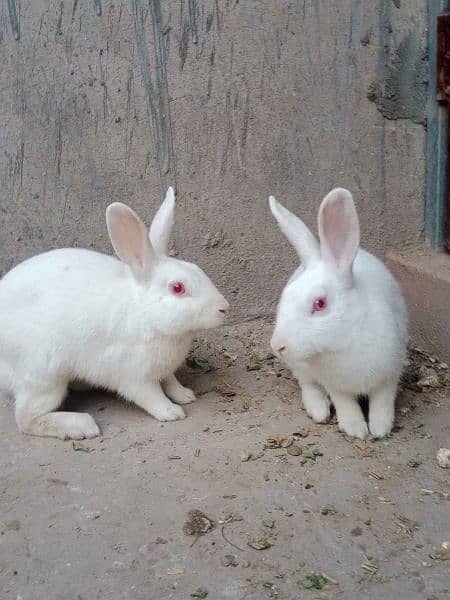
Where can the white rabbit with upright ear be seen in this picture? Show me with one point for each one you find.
(341, 322)
(125, 325)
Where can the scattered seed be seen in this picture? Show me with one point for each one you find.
(374, 475)
(197, 452)
(404, 525)
(176, 571)
(173, 457)
(369, 566)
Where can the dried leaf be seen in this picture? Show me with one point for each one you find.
(415, 462)
(254, 366)
(302, 432)
(200, 593)
(313, 454)
(315, 581)
(278, 441)
(197, 524)
(230, 560)
(78, 447)
(269, 524)
(245, 455)
(260, 542)
(442, 554)
(443, 458)
(199, 364)
(160, 540)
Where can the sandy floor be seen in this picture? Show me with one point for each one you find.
(109, 522)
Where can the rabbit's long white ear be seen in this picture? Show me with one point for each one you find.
(161, 227)
(297, 233)
(339, 231)
(129, 237)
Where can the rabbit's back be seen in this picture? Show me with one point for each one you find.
(381, 292)
(52, 299)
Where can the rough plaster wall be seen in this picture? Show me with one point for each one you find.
(227, 100)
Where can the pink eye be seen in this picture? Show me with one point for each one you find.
(178, 288)
(319, 304)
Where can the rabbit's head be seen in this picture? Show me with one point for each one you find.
(175, 297)
(320, 302)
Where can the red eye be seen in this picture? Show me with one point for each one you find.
(319, 304)
(178, 288)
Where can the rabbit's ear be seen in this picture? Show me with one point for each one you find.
(129, 237)
(162, 224)
(297, 232)
(339, 231)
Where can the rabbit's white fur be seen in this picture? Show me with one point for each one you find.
(357, 343)
(77, 314)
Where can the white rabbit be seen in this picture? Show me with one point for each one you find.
(341, 322)
(125, 325)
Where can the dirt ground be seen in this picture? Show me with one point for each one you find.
(106, 518)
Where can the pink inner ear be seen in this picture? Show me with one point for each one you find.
(128, 235)
(340, 232)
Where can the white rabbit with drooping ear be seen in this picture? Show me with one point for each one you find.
(341, 322)
(125, 325)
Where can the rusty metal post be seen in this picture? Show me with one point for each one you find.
(443, 95)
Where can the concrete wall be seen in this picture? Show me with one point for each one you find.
(227, 100)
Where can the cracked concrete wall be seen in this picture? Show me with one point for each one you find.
(229, 101)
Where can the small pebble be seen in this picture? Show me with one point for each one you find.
(294, 450)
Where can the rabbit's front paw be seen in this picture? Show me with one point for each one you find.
(316, 403)
(380, 426)
(183, 395)
(77, 426)
(169, 412)
(354, 428)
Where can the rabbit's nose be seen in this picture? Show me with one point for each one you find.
(224, 310)
(281, 349)
(277, 346)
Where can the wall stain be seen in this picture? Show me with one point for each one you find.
(401, 91)
(15, 25)
(193, 20)
(237, 114)
(98, 7)
(60, 19)
(74, 9)
(155, 82)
